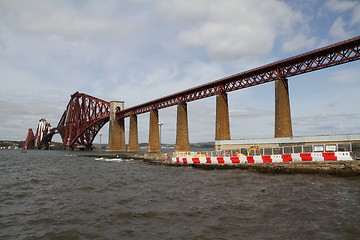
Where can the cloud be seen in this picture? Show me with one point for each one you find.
(232, 29)
(250, 112)
(340, 6)
(338, 30)
(355, 18)
(346, 76)
(184, 11)
(340, 27)
(325, 123)
(140, 50)
(66, 23)
(62, 19)
(15, 118)
(320, 117)
(299, 42)
(166, 79)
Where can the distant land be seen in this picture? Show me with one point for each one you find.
(9, 144)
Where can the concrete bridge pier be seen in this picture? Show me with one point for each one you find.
(154, 135)
(133, 135)
(222, 128)
(182, 131)
(283, 126)
(116, 128)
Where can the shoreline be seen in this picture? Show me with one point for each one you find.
(338, 168)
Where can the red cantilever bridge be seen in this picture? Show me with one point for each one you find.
(82, 120)
(86, 115)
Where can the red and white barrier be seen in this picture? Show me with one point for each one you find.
(294, 157)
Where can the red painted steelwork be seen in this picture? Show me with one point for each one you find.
(30, 140)
(82, 120)
(335, 54)
(43, 137)
(46, 140)
(86, 115)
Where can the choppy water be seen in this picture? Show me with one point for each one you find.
(50, 195)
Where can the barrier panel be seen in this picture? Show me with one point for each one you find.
(294, 157)
(305, 157)
(329, 156)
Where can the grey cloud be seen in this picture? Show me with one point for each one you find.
(346, 76)
(236, 29)
(140, 50)
(250, 112)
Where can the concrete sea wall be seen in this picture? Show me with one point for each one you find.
(339, 168)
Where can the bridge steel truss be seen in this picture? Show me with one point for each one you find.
(82, 120)
(86, 115)
(42, 139)
(29, 141)
(331, 55)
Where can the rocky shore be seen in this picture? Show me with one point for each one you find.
(340, 168)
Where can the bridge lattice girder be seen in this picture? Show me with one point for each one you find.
(82, 120)
(86, 115)
(43, 136)
(42, 139)
(335, 54)
(29, 141)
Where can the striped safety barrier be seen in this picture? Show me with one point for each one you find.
(296, 157)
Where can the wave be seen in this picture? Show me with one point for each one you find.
(113, 159)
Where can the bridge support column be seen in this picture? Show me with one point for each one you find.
(154, 136)
(283, 127)
(182, 132)
(133, 135)
(222, 128)
(116, 128)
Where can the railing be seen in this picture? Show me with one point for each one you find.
(338, 147)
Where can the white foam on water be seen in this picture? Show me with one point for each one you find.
(113, 159)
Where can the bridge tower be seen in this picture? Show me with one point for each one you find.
(116, 128)
(154, 134)
(222, 128)
(182, 129)
(133, 135)
(283, 126)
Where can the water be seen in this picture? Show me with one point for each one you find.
(53, 195)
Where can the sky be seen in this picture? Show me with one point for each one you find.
(140, 50)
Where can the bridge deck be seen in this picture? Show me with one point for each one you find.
(331, 55)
